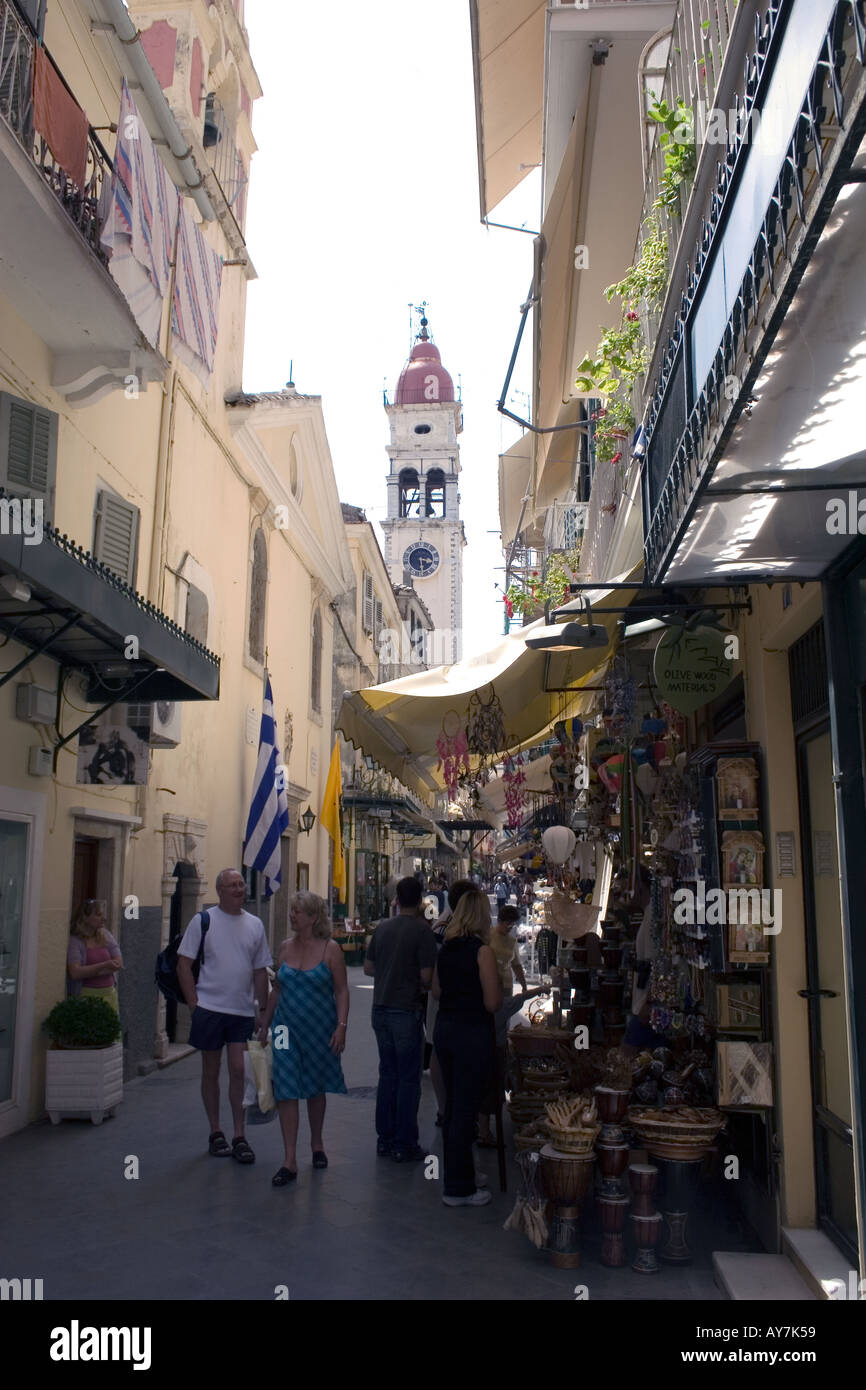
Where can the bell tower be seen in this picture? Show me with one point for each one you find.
(424, 535)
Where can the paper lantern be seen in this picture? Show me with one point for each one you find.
(558, 843)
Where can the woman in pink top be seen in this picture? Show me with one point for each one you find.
(93, 958)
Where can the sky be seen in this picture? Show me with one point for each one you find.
(364, 200)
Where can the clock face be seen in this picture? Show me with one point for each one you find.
(422, 559)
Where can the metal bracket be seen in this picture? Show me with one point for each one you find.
(121, 698)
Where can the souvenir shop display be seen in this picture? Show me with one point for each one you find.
(453, 750)
(485, 732)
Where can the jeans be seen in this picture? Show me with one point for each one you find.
(400, 1037)
(466, 1056)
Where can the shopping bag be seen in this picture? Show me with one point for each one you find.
(250, 1096)
(261, 1061)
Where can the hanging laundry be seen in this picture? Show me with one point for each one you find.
(142, 221)
(59, 119)
(196, 301)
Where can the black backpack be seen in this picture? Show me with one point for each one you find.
(166, 965)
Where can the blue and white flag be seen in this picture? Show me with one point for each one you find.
(269, 810)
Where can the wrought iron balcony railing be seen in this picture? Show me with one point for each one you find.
(81, 204)
(225, 160)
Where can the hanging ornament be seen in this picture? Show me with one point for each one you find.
(514, 779)
(453, 752)
(611, 772)
(558, 842)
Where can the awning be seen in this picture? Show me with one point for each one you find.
(514, 483)
(77, 612)
(508, 63)
(398, 723)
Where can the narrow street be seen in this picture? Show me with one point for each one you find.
(193, 1228)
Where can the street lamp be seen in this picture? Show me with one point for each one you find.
(306, 822)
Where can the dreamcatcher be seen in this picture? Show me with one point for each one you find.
(514, 779)
(453, 751)
(485, 732)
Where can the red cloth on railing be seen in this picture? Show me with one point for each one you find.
(59, 119)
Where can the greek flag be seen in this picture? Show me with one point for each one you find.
(269, 810)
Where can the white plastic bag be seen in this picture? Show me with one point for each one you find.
(250, 1096)
(261, 1062)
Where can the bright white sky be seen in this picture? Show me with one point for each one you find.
(364, 199)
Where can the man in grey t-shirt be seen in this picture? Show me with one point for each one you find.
(400, 958)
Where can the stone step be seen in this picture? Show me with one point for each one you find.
(767, 1278)
(827, 1272)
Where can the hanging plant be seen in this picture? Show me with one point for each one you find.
(547, 592)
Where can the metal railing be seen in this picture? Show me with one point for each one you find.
(227, 165)
(17, 57)
(700, 35)
(564, 525)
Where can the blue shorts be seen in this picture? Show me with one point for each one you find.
(210, 1031)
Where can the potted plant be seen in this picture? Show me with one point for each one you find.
(84, 1069)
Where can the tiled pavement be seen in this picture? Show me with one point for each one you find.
(193, 1227)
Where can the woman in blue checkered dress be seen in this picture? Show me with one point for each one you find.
(308, 1010)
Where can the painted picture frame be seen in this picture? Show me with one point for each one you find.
(737, 784)
(737, 1008)
(744, 1073)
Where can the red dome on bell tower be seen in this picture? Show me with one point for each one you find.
(423, 380)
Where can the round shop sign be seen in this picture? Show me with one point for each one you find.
(691, 667)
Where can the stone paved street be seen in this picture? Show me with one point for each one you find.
(191, 1227)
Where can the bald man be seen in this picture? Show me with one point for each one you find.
(226, 1003)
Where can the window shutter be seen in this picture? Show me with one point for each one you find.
(116, 535)
(377, 622)
(28, 449)
(368, 615)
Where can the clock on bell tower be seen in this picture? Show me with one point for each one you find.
(423, 532)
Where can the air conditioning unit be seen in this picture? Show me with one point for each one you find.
(157, 724)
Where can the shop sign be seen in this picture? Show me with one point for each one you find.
(691, 667)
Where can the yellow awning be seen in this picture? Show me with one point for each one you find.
(508, 63)
(398, 723)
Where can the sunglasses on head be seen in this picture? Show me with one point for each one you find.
(93, 905)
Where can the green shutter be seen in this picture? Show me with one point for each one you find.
(116, 535)
(28, 448)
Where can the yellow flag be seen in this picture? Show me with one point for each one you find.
(332, 820)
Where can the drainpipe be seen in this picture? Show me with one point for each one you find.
(127, 34)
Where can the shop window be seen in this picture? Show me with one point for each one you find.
(410, 493)
(316, 673)
(258, 597)
(435, 493)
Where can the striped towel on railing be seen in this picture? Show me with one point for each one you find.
(196, 301)
(140, 227)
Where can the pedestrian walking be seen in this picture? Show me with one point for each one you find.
(93, 957)
(309, 1010)
(466, 983)
(455, 893)
(400, 958)
(231, 990)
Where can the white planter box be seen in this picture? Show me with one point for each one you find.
(83, 1084)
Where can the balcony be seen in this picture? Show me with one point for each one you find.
(52, 268)
(564, 525)
(224, 159)
(753, 393)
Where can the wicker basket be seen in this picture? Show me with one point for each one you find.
(673, 1127)
(537, 1042)
(532, 1137)
(579, 1139)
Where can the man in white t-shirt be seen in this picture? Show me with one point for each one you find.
(226, 1002)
